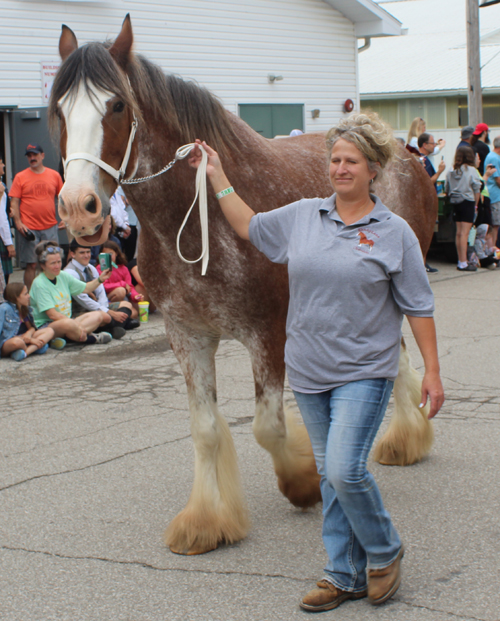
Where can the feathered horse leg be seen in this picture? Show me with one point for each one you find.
(410, 434)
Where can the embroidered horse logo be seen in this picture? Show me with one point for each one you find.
(364, 241)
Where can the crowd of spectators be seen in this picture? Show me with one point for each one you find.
(55, 306)
(472, 186)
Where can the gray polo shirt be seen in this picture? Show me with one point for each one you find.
(349, 289)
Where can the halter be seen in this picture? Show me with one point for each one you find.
(116, 174)
(180, 154)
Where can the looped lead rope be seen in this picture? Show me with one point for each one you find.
(201, 193)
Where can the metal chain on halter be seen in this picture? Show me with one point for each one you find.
(141, 179)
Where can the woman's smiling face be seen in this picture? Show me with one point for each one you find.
(349, 171)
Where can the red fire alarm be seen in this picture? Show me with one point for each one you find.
(348, 105)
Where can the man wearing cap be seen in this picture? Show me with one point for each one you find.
(32, 200)
(479, 142)
(493, 185)
(466, 136)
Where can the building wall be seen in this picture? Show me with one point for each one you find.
(228, 46)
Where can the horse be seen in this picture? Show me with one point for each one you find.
(120, 118)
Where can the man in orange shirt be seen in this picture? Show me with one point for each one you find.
(32, 201)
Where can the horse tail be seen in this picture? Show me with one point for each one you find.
(410, 434)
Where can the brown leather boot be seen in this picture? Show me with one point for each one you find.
(383, 583)
(327, 597)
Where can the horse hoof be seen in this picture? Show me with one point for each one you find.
(192, 551)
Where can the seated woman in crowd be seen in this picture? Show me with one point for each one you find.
(51, 293)
(139, 285)
(119, 284)
(18, 337)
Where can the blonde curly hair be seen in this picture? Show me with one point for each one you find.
(368, 133)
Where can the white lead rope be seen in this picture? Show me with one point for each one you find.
(201, 193)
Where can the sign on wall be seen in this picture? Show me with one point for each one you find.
(49, 70)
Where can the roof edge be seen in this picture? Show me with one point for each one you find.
(369, 19)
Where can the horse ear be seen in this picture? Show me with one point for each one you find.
(120, 50)
(67, 42)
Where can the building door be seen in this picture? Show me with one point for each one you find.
(272, 120)
(28, 126)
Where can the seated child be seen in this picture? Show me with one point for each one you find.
(486, 255)
(18, 337)
(119, 285)
(139, 285)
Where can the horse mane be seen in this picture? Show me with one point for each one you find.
(184, 106)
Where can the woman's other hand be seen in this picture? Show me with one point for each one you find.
(432, 388)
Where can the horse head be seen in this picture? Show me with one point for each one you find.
(93, 104)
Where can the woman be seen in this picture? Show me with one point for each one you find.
(417, 127)
(343, 341)
(463, 187)
(51, 294)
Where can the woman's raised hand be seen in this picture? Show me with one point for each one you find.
(214, 165)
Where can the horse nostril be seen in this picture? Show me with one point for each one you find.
(91, 205)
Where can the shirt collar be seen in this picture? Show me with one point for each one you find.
(79, 265)
(379, 212)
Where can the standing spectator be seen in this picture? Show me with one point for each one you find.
(463, 187)
(119, 214)
(117, 314)
(33, 195)
(426, 147)
(493, 185)
(466, 136)
(7, 250)
(129, 244)
(479, 142)
(418, 127)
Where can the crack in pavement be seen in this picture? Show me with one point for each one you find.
(100, 463)
(155, 567)
(214, 572)
(91, 433)
(444, 612)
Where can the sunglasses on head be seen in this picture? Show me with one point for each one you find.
(53, 249)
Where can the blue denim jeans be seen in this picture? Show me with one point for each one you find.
(342, 424)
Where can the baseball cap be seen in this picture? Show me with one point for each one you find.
(33, 148)
(480, 128)
(467, 132)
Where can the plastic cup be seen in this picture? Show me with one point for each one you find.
(143, 312)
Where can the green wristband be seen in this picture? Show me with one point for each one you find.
(225, 192)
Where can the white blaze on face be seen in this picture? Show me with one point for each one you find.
(84, 132)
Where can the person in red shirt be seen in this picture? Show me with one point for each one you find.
(32, 200)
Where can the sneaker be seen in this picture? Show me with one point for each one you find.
(102, 337)
(469, 268)
(42, 350)
(430, 270)
(132, 324)
(57, 343)
(18, 355)
(383, 583)
(492, 266)
(327, 597)
(118, 332)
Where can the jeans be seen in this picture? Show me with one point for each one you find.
(342, 424)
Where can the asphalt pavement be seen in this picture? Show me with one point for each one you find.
(97, 458)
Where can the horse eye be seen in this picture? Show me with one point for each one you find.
(119, 106)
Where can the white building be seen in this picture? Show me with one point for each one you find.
(424, 73)
(280, 64)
